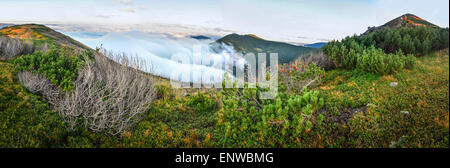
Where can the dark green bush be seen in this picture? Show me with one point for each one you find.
(202, 104)
(376, 61)
(386, 51)
(247, 121)
(59, 64)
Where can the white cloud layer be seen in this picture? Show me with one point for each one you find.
(271, 19)
(157, 51)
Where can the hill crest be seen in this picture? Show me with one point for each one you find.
(287, 53)
(406, 20)
(40, 32)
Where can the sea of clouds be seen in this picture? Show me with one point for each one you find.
(157, 49)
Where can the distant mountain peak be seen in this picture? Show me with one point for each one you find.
(409, 20)
(406, 20)
(255, 36)
(200, 37)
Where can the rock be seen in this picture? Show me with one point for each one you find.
(393, 84)
(394, 143)
(404, 112)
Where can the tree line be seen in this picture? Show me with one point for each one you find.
(386, 51)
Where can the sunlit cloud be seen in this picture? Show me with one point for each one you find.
(127, 9)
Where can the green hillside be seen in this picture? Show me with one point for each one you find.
(253, 44)
(375, 98)
(412, 114)
(38, 32)
(388, 49)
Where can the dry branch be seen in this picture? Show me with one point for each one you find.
(108, 97)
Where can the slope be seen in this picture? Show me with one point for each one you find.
(253, 44)
(40, 33)
(406, 20)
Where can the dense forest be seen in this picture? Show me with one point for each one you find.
(386, 51)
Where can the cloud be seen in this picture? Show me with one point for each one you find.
(126, 2)
(143, 7)
(103, 16)
(157, 49)
(126, 6)
(313, 39)
(127, 9)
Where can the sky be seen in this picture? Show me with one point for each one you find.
(285, 20)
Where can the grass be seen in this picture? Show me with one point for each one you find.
(361, 110)
(422, 92)
(26, 120)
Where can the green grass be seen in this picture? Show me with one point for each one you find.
(422, 91)
(181, 118)
(60, 64)
(26, 120)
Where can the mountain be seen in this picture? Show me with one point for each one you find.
(41, 33)
(316, 45)
(200, 37)
(2, 25)
(254, 44)
(406, 20)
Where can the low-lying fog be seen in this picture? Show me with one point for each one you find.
(157, 49)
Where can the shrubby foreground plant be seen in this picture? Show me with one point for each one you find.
(247, 121)
(107, 96)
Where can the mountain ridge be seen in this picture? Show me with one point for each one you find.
(254, 44)
(42, 33)
(316, 45)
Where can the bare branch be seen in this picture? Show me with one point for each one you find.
(108, 97)
(10, 47)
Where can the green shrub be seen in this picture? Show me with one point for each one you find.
(59, 64)
(247, 121)
(202, 104)
(164, 91)
(376, 61)
(294, 77)
(382, 51)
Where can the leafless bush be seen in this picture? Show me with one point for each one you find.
(39, 84)
(108, 97)
(10, 47)
(319, 58)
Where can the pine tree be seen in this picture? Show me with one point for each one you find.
(426, 46)
(418, 45)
